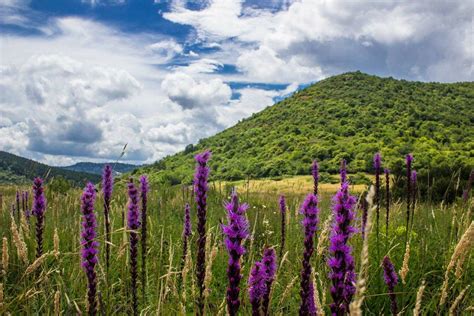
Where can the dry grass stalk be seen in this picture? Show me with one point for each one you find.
(419, 297)
(5, 256)
(361, 285)
(1, 296)
(324, 236)
(20, 245)
(316, 296)
(457, 301)
(57, 303)
(24, 225)
(210, 261)
(404, 270)
(464, 245)
(287, 290)
(56, 243)
(32, 267)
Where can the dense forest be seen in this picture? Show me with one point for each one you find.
(348, 116)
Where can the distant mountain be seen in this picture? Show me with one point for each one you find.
(96, 168)
(350, 116)
(15, 169)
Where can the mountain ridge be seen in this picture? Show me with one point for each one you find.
(15, 169)
(96, 168)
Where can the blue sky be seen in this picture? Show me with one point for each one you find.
(79, 79)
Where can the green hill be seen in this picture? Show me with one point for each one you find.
(349, 116)
(16, 170)
(97, 168)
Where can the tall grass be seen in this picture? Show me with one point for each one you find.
(440, 249)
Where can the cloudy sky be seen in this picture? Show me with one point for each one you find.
(80, 79)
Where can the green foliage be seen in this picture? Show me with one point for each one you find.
(348, 116)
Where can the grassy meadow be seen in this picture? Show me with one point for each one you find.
(57, 284)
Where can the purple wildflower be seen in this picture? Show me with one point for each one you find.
(107, 188)
(310, 223)
(409, 161)
(89, 244)
(186, 233)
(200, 189)
(257, 286)
(343, 171)
(144, 187)
(39, 206)
(133, 220)
(25, 207)
(377, 168)
(18, 213)
(387, 198)
(391, 280)
(315, 174)
(236, 231)
(282, 203)
(269, 266)
(413, 180)
(342, 263)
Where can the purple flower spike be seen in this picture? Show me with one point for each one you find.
(186, 233)
(342, 263)
(269, 266)
(107, 188)
(315, 174)
(282, 203)
(187, 221)
(310, 224)
(89, 244)
(377, 168)
(343, 171)
(200, 190)
(409, 162)
(257, 286)
(235, 231)
(391, 280)
(18, 213)
(39, 206)
(133, 220)
(144, 188)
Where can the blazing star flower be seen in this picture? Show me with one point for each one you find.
(200, 190)
(315, 174)
(409, 161)
(89, 244)
(133, 220)
(310, 223)
(235, 231)
(39, 207)
(144, 188)
(391, 280)
(377, 168)
(257, 286)
(343, 171)
(269, 266)
(341, 262)
(107, 188)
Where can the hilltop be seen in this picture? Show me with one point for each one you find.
(96, 168)
(349, 116)
(16, 169)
